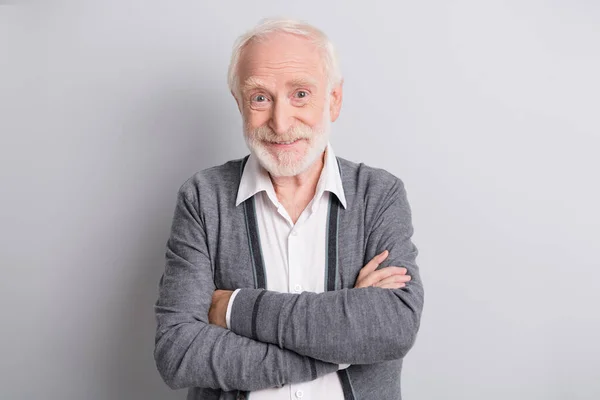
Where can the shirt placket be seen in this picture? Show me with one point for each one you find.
(294, 259)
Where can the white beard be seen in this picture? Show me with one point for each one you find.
(289, 162)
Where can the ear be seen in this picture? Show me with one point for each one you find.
(335, 101)
(237, 102)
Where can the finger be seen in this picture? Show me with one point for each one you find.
(373, 264)
(383, 273)
(392, 286)
(393, 279)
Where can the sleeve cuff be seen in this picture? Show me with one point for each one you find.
(244, 313)
(229, 307)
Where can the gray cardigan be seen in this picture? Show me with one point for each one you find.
(281, 338)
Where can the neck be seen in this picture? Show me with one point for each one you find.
(308, 178)
(295, 192)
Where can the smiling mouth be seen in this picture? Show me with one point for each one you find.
(286, 143)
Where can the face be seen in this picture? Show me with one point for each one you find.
(286, 104)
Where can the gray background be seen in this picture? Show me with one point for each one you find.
(488, 111)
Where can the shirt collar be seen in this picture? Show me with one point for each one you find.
(330, 179)
(256, 179)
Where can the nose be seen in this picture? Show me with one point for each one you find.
(281, 117)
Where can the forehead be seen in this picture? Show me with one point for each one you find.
(281, 58)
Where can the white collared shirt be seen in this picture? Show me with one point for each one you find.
(294, 255)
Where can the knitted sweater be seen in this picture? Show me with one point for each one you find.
(281, 338)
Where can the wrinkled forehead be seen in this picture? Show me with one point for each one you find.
(281, 58)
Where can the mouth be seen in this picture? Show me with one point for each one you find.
(285, 144)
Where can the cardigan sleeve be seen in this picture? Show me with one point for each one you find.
(190, 352)
(357, 325)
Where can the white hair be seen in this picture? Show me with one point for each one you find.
(269, 26)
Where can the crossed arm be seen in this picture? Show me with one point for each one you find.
(190, 352)
(278, 338)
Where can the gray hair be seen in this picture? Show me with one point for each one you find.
(273, 25)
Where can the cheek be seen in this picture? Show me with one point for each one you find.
(311, 115)
(253, 119)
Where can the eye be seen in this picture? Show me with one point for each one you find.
(259, 98)
(301, 94)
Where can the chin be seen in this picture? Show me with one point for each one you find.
(288, 163)
(285, 162)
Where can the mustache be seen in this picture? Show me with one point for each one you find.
(295, 132)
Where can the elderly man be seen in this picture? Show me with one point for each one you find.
(289, 273)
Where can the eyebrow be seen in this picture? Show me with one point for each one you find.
(302, 82)
(255, 83)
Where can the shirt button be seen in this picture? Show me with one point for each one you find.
(294, 233)
(299, 394)
(298, 289)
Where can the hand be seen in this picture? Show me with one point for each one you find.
(389, 277)
(218, 308)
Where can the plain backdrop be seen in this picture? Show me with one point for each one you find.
(487, 110)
